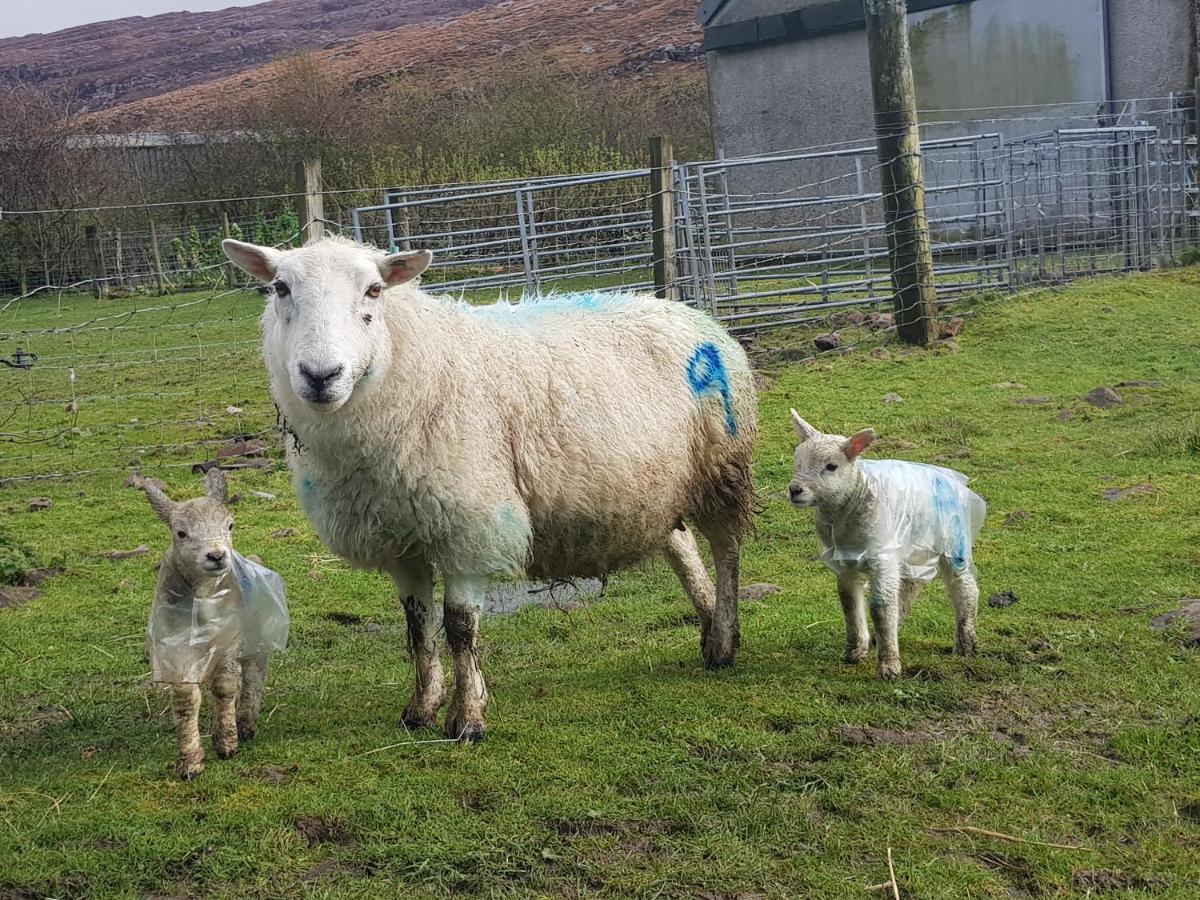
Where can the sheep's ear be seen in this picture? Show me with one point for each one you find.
(162, 505)
(215, 485)
(261, 262)
(803, 428)
(400, 268)
(856, 444)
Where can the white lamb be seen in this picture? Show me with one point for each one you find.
(890, 526)
(564, 437)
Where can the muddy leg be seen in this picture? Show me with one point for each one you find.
(249, 703)
(964, 595)
(225, 683)
(910, 589)
(885, 613)
(725, 635)
(464, 598)
(414, 582)
(684, 558)
(185, 706)
(851, 588)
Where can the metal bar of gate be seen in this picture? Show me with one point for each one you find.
(523, 227)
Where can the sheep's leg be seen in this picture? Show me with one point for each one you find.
(414, 582)
(725, 634)
(885, 614)
(964, 595)
(464, 598)
(851, 588)
(225, 682)
(185, 706)
(249, 703)
(684, 558)
(910, 589)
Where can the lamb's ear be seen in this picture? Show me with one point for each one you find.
(403, 267)
(162, 505)
(215, 485)
(857, 443)
(803, 428)
(260, 262)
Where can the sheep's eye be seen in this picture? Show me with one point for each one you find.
(231, 526)
(831, 467)
(281, 289)
(181, 534)
(374, 290)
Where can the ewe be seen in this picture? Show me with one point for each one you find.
(214, 619)
(890, 526)
(567, 436)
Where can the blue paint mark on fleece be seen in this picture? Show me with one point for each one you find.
(950, 518)
(530, 308)
(706, 374)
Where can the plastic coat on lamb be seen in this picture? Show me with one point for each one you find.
(247, 616)
(923, 514)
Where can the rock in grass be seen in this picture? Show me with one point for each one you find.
(826, 342)
(40, 503)
(1189, 614)
(15, 596)
(1104, 398)
(892, 398)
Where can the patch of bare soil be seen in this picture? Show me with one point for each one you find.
(314, 830)
(1188, 615)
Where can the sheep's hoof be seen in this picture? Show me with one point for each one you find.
(226, 751)
(889, 669)
(964, 645)
(465, 731)
(718, 653)
(415, 721)
(856, 653)
(247, 731)
(187, 769)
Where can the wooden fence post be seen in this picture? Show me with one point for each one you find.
(95, 261)
(903, 182)
(230, 269)
(160, 276)
(662, 218)
(312, 225)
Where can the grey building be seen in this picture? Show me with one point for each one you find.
(793, 73)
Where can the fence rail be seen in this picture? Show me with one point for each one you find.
(160, 378)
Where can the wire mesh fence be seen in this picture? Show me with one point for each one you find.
(127, 340)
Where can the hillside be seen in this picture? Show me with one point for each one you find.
(184, 64)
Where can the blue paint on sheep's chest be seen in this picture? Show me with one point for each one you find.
(706, 375)
(950, 514)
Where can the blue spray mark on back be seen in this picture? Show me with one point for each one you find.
(706, 374)
(950, 518)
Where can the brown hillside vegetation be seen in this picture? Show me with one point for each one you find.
(109, 63)
(619, 40)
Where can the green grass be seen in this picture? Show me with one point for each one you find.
(617, 766)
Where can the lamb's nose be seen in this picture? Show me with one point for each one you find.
(795, 493)
(216, 555)
(319, 380)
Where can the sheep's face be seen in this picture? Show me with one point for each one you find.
(201, 529)
(826, 474)
(329, 329)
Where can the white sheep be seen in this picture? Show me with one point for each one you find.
(890, 526)
(200, 631)
(567, 436)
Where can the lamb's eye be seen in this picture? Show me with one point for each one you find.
(181, 534)
(375, 290)
(231, 526)
(831, 467)
(281, 289)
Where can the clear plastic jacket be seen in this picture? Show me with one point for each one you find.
(245, 616)
(922, 514)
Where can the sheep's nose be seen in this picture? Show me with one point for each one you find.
(216, 555)
(319, 380)
(795, 493)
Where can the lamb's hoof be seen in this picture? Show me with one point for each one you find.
(246, 732)
(718, 653)
(856, 654)
(187, 769)
(226, 751)
(965, 646)
(465, 731)
(889, 670)
(415, 721)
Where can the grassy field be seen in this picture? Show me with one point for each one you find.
(615, 765)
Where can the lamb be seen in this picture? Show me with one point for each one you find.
(208, 624)
(892, 526)
(563, 437)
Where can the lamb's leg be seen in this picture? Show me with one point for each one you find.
(414, 582)
(225, 682)
(885, 613)
(910, 589)
(249, 704)
(724, 636)
(851, 588)
(185, 706)
(964, 595)
(464, 598)
(684, 557)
